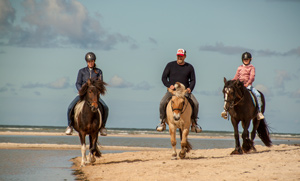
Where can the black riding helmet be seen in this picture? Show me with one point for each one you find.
(90, 56)
(246, 55)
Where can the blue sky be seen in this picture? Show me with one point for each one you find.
(43, 43)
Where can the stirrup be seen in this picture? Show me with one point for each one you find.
(196, 129)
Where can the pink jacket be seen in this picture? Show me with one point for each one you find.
(245, 74)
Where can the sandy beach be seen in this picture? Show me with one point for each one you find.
(279, 162)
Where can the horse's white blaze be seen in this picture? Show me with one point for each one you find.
(226, 96)
(176, 116)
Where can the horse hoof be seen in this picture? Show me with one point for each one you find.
(182, 155)
(237, 152)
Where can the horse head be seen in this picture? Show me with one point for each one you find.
(90, 92)
(178, 100)
(233, 89)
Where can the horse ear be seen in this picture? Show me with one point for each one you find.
(225, 80)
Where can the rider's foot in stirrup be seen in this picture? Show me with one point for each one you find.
(161, 126)
(103, 132)
(260, 116)
(69, 130)
(196, 128)
(224, 114)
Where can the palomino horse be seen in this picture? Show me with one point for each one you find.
(239, 104)
(179, 112)
(87, 118)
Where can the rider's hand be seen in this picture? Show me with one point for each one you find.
(172, 87)
(189, 90)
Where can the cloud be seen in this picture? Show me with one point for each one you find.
(55, 23)
(119, 82)
(280, 78)
(233, 50)
(143, 86)
(61, 83)
(3, 89)
(265, 90)
(152, 40)
(296, 94)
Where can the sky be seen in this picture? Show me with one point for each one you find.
(43, 44)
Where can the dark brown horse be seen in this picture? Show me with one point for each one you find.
(87, 117)
(239, 104)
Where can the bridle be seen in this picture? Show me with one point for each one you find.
(231, 102)
(179, 109)
(90, 103)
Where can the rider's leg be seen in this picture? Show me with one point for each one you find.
(195, 127)
(69, 129)
(259, 102)
(103, 131)
(162, 111)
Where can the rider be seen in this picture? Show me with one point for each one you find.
(183, 72)
(246, 74)
(91, 71)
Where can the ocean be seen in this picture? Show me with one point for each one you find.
(32, 164)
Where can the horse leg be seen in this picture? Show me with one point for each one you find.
(172, 131)
(253, 132)
(238, 149)
(83, 149)
(91, 157)
(247, 143)
(184, 143)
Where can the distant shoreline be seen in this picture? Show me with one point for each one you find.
(193, 136)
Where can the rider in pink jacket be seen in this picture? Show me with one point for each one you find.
(246, 73)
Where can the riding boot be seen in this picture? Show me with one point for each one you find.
(259, 114)
(161, 126)
(195, 127)
(104, 112)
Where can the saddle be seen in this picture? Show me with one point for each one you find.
(72, 112)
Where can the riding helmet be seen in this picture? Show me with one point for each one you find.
(246, 55)
(90, 56)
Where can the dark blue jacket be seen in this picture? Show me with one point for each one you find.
(85, 73)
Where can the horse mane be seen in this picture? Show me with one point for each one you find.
(180, 89)
(98, 83)
(237, 85)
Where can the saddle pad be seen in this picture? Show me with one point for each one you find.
(253, 97)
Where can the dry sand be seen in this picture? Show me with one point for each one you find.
(279, 162)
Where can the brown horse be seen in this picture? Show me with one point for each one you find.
(179, 112)
(239, 104)
(87, 117)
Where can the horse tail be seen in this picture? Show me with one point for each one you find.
(263, 133)
(188, 144)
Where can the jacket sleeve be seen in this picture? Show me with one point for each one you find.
(166, 75)
(192, 79)
(252, 76)
(237, 74)
(79, 80)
